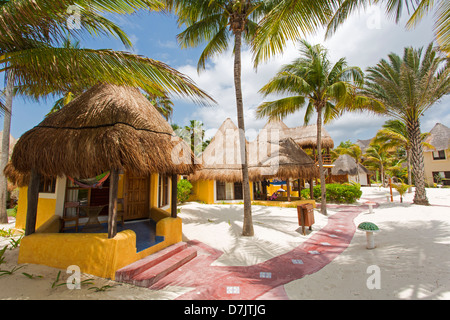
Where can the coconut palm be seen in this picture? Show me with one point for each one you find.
(216, 22)
(394, 9)
(408, 86)
(163, 104)
(312, 81)
(29, 32)
(378, 157)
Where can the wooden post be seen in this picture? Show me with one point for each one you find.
(311, 189)
(112, 209)
(33, 198)
(288, 189)
(390, 189)
(173, 205)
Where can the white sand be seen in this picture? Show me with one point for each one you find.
(413, 253)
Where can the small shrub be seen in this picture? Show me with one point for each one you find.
(184, 188)
(335, 192)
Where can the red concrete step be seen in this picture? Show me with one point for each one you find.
(126, 273)
(150, 276)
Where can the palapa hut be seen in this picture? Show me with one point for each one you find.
(220, 177)
(116, 135)
(346, 169)
(268, 157)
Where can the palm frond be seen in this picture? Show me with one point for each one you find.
(60, 70)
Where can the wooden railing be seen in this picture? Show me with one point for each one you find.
(325, 157)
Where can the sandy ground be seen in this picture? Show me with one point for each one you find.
(412, 257)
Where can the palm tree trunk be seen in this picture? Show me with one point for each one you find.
(247, 229)
(408, 164)
(323, 192)
(418, 169)
(5, 146)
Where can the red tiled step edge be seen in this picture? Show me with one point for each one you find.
(126, 273)
(151, 275)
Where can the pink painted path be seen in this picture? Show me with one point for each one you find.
(264, 280)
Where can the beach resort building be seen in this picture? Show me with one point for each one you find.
(437, 159)
(97, 183)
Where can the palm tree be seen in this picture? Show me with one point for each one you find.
(163, 104)
(29, 31)
(276, 21)
(378, 157)
(394, 9)
(353, 150)
(215, 22)
(312, 81)
(408, 87)
(395, 134)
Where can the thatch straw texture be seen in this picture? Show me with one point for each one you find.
(439, 138)
(345, 164)
(221, 160)
(306, 136)
(268, 156)
(107, 127)
(282, 159)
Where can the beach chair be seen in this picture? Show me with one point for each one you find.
(274, 196)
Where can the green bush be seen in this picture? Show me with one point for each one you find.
(335, 192)
(184, 188)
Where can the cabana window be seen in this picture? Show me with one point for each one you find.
(163, 187)
(47, 185)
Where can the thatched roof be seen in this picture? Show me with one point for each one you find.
(345, 164)
(306, 136)
(221, 160)
(439, 137)
(281, 158)
(107, 127)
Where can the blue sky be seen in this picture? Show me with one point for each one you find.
(364, 39)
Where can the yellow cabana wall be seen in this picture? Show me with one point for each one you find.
(203, 191)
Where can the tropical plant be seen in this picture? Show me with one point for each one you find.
(30, 33)
(312, 81)
(408, 86)
(395, 8)
(394, 134)
(401, 189)
(378, 157)
(184, 188)
(163, 104)
(353, 151)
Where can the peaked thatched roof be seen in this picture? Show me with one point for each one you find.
(304, 136)
(345, 164)
(221, 160)
(439, 137)
(281, 157)
(106, 127)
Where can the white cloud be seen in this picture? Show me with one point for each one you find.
(357, 40)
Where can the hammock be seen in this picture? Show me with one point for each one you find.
(89, 183)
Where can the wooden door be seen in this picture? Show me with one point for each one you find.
(136, 197)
